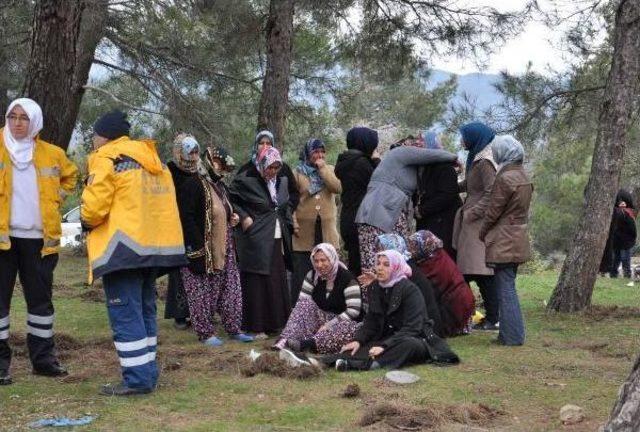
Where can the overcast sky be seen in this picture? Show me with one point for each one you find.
(534, 44)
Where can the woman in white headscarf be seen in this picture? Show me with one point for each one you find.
(34, 175)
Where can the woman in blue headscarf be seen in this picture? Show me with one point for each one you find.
(479, 176)
(437, 199)
(314, 220)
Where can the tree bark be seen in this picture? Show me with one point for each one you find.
(274, 101)
(575, 285)
(625, 415)
(64, 38)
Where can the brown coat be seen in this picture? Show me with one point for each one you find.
(470, 250)
(322, 203)
(504, 227)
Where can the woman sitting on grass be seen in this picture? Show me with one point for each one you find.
(328, 311)
(396, 330)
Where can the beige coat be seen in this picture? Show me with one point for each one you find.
(322, 203)
(466, 231)
(504, 227)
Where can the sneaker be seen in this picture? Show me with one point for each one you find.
(213, 342)
(122, 390)
(292, 359)
(485, 325)
(5, 378)
(260, 336)
(242, 337)
(342, 365)
(630, 284)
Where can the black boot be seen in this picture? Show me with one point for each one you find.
(122, 390)
(50, 370)
(5, 378)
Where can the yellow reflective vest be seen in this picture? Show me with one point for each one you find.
(129, 206)
(57, 177)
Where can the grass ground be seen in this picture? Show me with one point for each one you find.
(580, 359)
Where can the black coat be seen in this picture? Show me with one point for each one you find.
(354, 169)
(250, 196)
(390, 319)
(437, 201)
(285, 171)
(624, 230)
(426, 288)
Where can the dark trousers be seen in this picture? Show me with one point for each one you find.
(36, 277)
(621, 256)
(131, 303)
(408, 351)
(301, 266)
(489, 295)
(176, 306)
(352, 246)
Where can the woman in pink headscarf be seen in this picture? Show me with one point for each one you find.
(328, 311)
(260, 197)
(396, 330)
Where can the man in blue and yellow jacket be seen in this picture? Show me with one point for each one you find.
(34, 177)
(129, 207)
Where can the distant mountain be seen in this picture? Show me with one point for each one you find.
(476, 85)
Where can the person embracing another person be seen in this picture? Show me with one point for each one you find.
(504, 232)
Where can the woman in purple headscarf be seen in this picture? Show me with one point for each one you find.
(437, 199)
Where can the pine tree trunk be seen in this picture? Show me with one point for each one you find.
(272, 111)
(625, 416)
(64, 38)
(575, 285)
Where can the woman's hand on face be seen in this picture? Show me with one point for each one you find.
(353, 346)
(375, 351)
(367, 278)
(246, 223)
(320, 163)
(235, 219)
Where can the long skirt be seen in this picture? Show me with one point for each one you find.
(218, 292)
(265, 298)
(368, 238)
(305, 322)
(176, 306)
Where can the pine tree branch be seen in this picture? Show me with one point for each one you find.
(120, 101)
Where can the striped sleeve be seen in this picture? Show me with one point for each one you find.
(307, 285)
(353, 299)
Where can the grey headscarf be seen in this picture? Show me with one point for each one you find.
(507, 150)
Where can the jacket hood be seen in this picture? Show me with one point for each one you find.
(142, 151)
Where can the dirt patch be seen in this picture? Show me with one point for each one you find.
(351, 391)
(92, 295)
(64, 343)
(270, 363)
(405, 417)
(599, 312)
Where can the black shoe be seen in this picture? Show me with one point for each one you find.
(122, 390)
(181, 324)
(485, 325)
(51, 370)
(5, 378)
(294, 345)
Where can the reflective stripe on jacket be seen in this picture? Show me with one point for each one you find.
(57, 177)
(129, 205)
